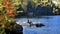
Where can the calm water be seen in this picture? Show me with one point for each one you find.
(52, 25)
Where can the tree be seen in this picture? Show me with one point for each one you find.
(7, 14)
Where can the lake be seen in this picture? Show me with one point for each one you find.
(52, 25)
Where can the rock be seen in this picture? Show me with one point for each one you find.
(40, 25)
(19, 29)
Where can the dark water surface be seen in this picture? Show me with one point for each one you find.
(52, 25)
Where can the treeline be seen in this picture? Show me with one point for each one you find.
(36, 11)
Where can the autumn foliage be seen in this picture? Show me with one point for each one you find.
(7, 14)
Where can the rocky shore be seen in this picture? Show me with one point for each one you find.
(17, 30)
